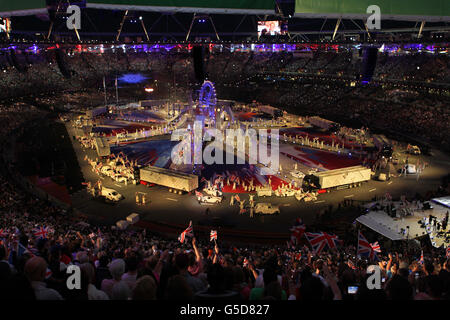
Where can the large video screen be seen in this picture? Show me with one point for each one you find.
(271, 28)
(5, 25)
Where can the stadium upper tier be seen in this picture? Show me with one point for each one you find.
(26, 70)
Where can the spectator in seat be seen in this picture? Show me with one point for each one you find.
(433, 287)
(217, 285)
(130, 276)
(149, 269)
(35, 270)
(5, 267)
(444, 276)
(88, 271)
(240, 284)
(102, 271)
(312, 289)
(269, 276)
(116, 288)
(274, 291)
(17, 287)
(178, 289)
(366, 294)
(182, 264)
(398, 288)
(145, 289)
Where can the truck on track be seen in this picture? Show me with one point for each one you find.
(274, 112)
(177, 182)
(106, 194)
(324, 123)
(266, 208)
(264, 191)
(337, 179)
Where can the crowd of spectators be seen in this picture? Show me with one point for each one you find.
(42, 72)
(138, 265)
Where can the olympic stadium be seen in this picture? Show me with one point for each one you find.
(158, 139)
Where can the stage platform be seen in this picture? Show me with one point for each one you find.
(396, 228)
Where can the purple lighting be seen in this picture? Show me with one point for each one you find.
(132, 78)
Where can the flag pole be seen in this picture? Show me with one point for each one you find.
(357, 241)
(117, 93)
(104, 89)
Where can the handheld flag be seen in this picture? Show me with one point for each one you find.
(213, 235)
(187, 232)
(320, 240)
(41, 232)
(365, 248)
(21, 250)
(3, 233)
(48, 274)
(297, 231)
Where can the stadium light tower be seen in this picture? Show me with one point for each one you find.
(201, 19)
(57, 10)
(143, 27)
(132, 17)
(336, 28)
(121, 25)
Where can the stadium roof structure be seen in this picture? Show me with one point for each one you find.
(407, 10)
(31, 7)
(22, 8)
(220, 20)
(196, 6)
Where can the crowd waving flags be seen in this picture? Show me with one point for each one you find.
(365, 248)
(189, 232)
(186, 233)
